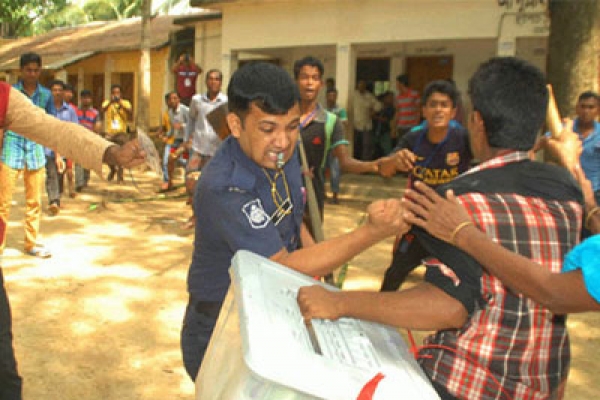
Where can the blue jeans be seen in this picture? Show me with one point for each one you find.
(334, 172)
(198, 325)
(165, 164)
(10, 381)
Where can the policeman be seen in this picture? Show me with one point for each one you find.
(250, 197)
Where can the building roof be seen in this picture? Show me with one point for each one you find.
(63, 46)
(202, 3)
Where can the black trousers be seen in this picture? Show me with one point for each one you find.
(407, 256)
(10, 381)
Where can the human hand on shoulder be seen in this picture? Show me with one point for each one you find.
(441, 217)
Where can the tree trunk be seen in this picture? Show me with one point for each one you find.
(144, 79)
(573, 50)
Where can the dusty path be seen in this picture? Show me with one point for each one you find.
(100, 320)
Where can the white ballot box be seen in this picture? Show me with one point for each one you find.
(262, 349)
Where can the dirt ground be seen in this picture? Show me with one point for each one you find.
(101, 318)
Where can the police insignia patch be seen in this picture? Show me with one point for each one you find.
(256, 214)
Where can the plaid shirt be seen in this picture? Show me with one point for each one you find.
(510, 348)
(18, 152)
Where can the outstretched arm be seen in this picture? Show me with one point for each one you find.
(423, 307)
(447, 220)
(385, 220)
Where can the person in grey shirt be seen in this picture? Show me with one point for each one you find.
(204, 139)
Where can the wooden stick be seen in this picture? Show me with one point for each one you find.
(313, 207)
(553, 119)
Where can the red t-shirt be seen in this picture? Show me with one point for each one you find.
(186, 80)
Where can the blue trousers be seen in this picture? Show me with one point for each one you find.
(334, 172)
(198, 325)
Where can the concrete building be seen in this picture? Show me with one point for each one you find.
(374, 40)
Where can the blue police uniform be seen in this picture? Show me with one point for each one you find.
(235, 209)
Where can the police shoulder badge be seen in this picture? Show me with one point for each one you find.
(256, 214)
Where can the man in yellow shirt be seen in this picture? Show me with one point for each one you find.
(116, 113)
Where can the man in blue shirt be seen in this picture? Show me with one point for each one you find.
(249, 196)
(588, 128)
(23, 155)
(55, 164)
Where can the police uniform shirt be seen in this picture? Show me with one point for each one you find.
(437, 163)
(235, 210)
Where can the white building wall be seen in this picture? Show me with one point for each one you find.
(208, 52)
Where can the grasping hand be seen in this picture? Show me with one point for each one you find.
(385, 217)
(318, 302)
(405, 160)
(128, 156)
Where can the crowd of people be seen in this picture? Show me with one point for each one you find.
(493, 236)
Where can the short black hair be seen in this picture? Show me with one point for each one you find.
(169, 95)
(309, 61)
(57, 82)
(68, 86)
(85, 93)
(330, 80)
(212, 71)
(512, 98)
(114, 86)
(403, 79)
(28, 58)
(332, 90)
(265, 85)
(440, 86)
(588, 94)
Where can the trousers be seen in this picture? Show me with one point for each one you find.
(198, 326)
(10, 381)
(33, 201)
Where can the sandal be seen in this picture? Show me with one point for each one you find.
(39, 251)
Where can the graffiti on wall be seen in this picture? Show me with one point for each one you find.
(522, 5)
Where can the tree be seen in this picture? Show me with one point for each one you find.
(142, 117)
(19, 17)
(573, 59)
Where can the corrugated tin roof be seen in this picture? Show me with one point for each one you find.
(63, 46)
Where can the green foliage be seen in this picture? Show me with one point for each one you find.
(20, 16)
(28, 17)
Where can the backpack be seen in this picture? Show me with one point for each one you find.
(329, 127)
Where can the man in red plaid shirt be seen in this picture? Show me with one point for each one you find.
(490, 342)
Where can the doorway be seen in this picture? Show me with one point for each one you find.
(375, 72)
(422, 70)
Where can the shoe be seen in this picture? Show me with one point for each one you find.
(78, 189)
(72, 194)
(53, 209)
(39, 251)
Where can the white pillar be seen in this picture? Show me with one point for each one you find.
(108, 66)
(345, 73)
(229, 64)
(80, 83)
